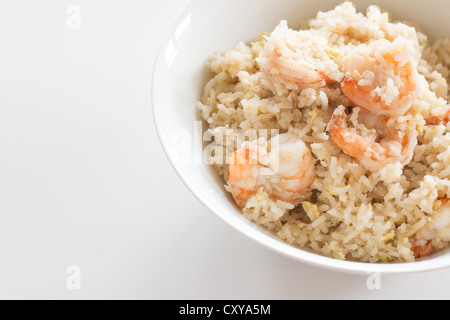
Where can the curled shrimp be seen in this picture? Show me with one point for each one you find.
(382, 77)
(287, 55)
(397, 143)
(436, 233)
(294, 173)
(423, 251)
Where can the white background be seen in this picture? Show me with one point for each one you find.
(84, 180)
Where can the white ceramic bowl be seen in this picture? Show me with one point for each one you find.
(207, 26)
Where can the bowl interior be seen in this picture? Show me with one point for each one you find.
(208, 26)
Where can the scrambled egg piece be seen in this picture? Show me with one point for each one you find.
(388, 236)
(311, 208)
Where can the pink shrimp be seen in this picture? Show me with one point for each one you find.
(381, 77)
(397, 145)
(423, 251)
(285, 56)
(294, 175)
(436, 232)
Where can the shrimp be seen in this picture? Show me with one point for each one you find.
(294, 173)
(287, 56)
(382, 77)
(397, 144)
(436, 233)
(423, 251)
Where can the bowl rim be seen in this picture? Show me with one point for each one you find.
(278, 246)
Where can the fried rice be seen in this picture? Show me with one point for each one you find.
(349, 212)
